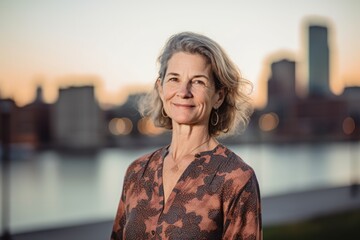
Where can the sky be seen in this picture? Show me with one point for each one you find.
(114, 44)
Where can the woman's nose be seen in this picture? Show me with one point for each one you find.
(184, 90)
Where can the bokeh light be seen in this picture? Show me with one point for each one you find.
(120, 126)
(349, 125)
(268, 121)
(147, 127)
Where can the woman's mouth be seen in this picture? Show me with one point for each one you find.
(183, 105)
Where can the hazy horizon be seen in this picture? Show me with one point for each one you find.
(115, 43)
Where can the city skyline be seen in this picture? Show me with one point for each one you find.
(49, 42)
(286, 116)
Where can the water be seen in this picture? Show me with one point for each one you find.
(49, 189)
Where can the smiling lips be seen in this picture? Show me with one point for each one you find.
(183, 105)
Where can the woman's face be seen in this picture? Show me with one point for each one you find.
(188, 90)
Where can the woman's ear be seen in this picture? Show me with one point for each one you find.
(220, 94)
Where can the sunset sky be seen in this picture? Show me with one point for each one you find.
(114, 43)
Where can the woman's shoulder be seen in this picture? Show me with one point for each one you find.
(233, 163)
(238, 174)
(141, 162)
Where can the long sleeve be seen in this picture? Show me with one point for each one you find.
(243, 217)
(120, 219)
(136, 169)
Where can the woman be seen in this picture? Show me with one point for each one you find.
(194, 188)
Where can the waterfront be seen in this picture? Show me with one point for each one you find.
(50, 189)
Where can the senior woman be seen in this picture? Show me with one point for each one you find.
(194, 188)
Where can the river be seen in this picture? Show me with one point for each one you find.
(52, 189)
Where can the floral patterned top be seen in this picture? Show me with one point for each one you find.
(216, 197)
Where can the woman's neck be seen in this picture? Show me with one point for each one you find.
(188, 140)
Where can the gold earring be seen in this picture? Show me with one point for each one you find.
(214, 123)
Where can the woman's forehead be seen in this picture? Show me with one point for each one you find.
(183, 61)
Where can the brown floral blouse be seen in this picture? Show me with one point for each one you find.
(216, 197)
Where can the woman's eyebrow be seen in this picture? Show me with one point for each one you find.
(195, 76)
(200, 75)
(172, 74)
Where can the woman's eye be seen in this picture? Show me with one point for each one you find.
(200, 82)
(172, 79)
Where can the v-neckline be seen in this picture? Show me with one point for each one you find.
(196, 157)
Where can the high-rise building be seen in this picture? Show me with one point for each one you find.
(78, 119)
(318, 61)
(282, 94)
(281, 86)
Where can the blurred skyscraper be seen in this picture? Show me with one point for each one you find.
(30, 124)
(318, 61)
(281, 86)
(281, 92)
(78, 119)
(319, 116)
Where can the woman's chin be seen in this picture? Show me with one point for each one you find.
(182, 119)
(186, 121)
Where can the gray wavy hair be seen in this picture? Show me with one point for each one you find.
(235, 111)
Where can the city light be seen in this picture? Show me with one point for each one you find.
(349, 125)
(147, 127)
(120, 126)
(268, 121)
